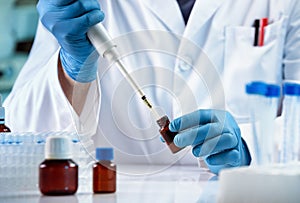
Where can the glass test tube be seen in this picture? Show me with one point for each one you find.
(256, 92)
(263, 111)
(290, 135)
(271, 107)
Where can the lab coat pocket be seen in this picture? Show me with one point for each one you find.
(244, 62)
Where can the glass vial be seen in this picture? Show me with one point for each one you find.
(3, 127)
(168, 136)
(104, 171)
(58, 173)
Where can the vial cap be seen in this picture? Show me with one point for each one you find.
(273, 91)
(104, 153)
(163, 121)
(291, 89)
(58, 147)
(256, 87)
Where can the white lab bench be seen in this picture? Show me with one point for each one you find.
(165, 184)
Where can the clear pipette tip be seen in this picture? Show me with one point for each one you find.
(153, 111)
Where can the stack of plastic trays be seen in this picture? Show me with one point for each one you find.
(263, 99)
(290, 114)
(18, 157)
(21, 154)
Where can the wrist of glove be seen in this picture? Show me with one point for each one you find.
(69, 21)
(215, 136)
(84, 70)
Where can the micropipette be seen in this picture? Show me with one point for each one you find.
(105, 46)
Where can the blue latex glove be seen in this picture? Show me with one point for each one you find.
(69, 21)
(214, 135)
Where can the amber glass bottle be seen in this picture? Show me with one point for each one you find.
(104, 171)
(3, 127)
(58, 174)
(168, 136)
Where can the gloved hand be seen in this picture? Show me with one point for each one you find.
(214, 135)
(69, 21)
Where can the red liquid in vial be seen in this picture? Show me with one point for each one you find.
(167, 134)
(4, 128)
(104, 177)
(58, 177)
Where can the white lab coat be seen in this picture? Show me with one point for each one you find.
(203, 65)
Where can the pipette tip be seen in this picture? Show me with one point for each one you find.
(146, 102)
(154, 112)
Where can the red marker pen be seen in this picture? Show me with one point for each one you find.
(263, 24)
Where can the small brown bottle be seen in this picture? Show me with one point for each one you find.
(58, 174)
(104, 171)
(168, 136)
(3, 127)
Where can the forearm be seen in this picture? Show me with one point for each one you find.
(75, 92)
(77, 63)
(39, 104)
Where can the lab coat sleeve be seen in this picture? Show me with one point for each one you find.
(37, 102)
(291, 62)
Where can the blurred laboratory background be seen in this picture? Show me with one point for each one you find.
(18, 22)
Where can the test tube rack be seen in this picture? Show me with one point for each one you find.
(21, 154)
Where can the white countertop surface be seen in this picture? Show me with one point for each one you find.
(165, 184)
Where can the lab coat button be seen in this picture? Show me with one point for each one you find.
(185, 64)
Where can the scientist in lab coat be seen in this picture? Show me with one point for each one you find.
(191, 58)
